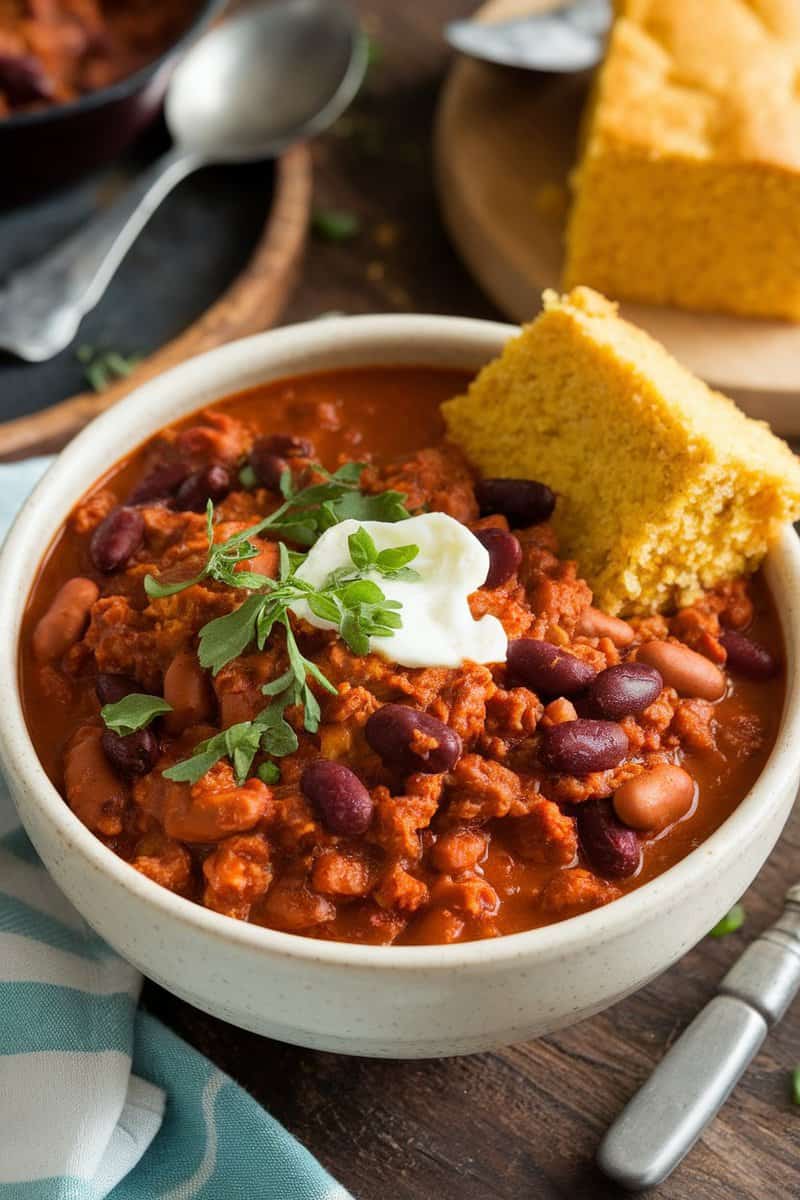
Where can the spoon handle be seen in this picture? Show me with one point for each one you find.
(695, 1077)
(43, 304)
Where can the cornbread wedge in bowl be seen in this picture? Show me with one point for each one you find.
(665, 487)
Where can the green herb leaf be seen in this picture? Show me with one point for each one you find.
(102, 367)
(730, 922)
(363, 551)
(796, 1085)
(335, 225)
(227, 637)
(133, 712)
(248, 478)
(325, 608)
(396, 557)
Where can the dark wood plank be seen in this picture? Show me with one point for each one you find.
(522, 1123)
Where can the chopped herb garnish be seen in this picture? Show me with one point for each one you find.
(796, 1085)
(335, 225)
(304, 515)
(353, 604)
(103, 367)
(248, 478)
(730, 922)
(133, 712)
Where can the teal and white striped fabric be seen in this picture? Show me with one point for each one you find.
(97, 1098)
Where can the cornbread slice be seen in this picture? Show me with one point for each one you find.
(664, 487)
(688, 188)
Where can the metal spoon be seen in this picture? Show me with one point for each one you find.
(659, 1126)
(248, 88)
(571, 38)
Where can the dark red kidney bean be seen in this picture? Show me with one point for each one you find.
(161, 484)
(112, 688)
(211, 483)
(546, 669)
(285, 445)
(23, 79)
(582, 746)
(343, 803)
(609, 847)
(746, 657)
(134, 754)
(505, 555)
(625, 690)
(522, 501)
(116, 539)
(391, 733)
(267, 466)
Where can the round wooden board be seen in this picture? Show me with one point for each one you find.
(249, 305)
(505, 143)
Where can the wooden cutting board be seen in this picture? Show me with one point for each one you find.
(165, 278)
(505, 143)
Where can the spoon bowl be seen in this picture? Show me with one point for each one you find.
(266, 78)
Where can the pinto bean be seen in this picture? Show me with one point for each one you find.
(594, 623)
(412, 741)
(187, 689)
(505, 555)
(610, 848)
(523, 501)
(95, 792)
(655, 799)
(583, 746)
(65, 620)
(748, 658)
(546, 669)
(683, 669)
(626, 689)
(116, 539)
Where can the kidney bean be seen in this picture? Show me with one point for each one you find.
(65, 620)
(748, 658)
(594, 623)
(160, 484)
(134, 754)
(267, 466)
(610, 848)
(655, 799)
(112, 688)
(522, 501)
(23, 79)
(582, 746)
(400, 734)
(116, 539)
(211, 483)
(624, 690)
(683, 669)
(285, 445)
(505, 555)
(546, 669)
(187, 689)
(343, 803)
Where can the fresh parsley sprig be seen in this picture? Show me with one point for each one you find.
(302, 518)
(353, 604)
(133, 712)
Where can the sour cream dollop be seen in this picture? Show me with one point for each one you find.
(438, 627)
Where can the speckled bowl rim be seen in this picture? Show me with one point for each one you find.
(461, 343)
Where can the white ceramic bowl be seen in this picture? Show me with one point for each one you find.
(393, 1001)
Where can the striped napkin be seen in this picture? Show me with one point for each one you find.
(96, 1097)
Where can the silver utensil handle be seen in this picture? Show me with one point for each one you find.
(42, 305)
(695, 1077)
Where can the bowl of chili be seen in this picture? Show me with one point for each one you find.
(75, 92)
(363, 955)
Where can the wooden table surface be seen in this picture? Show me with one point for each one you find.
(521, 1123)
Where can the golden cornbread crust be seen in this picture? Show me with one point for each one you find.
(688, 188)
(664, 487)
